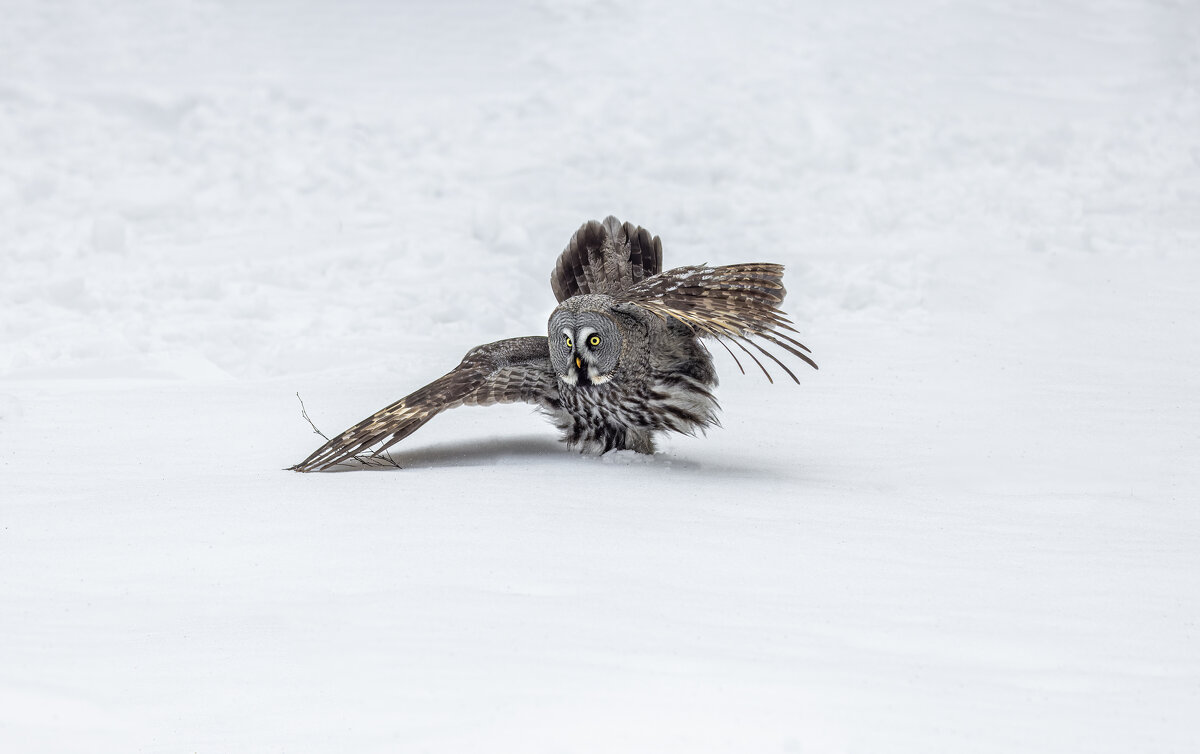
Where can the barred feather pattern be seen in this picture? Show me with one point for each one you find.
(605, 258)
(626, 418)
(507, 371)
(667, 387)
(735, 304)
(661, 377)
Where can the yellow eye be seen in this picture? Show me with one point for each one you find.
(569, 343)
(594, 340)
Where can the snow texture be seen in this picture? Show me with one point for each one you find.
(974, 529)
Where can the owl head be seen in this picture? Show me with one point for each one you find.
(585, 341)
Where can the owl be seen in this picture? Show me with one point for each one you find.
(624, 355)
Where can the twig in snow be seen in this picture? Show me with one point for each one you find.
(304, 413)
(373, 460)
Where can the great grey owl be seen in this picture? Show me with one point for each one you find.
(623, 357)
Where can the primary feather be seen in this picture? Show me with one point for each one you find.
(507, 371)
(735, 303)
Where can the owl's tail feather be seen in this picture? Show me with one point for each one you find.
(605, 257)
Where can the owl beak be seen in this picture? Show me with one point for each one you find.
(578, 363)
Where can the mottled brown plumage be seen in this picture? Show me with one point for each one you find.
(506, 371)
(605, 258)
(623, 357)
(735, 303)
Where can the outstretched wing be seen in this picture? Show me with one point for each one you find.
(507, 371)
(735, 303)
(607, 258)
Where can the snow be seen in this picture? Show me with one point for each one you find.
(974, 529)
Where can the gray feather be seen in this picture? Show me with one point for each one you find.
(507, 371)
(605, 258)
(624, 358)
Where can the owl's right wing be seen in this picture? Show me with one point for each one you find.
(738, 303)
(507, 371)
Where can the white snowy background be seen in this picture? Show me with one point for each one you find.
(974, 529)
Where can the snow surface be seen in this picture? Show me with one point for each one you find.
(974, 529)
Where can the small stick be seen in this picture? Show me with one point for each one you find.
(304, 413)
(365, 460)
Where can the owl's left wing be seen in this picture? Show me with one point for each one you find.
(507, 371)
(738, 303)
